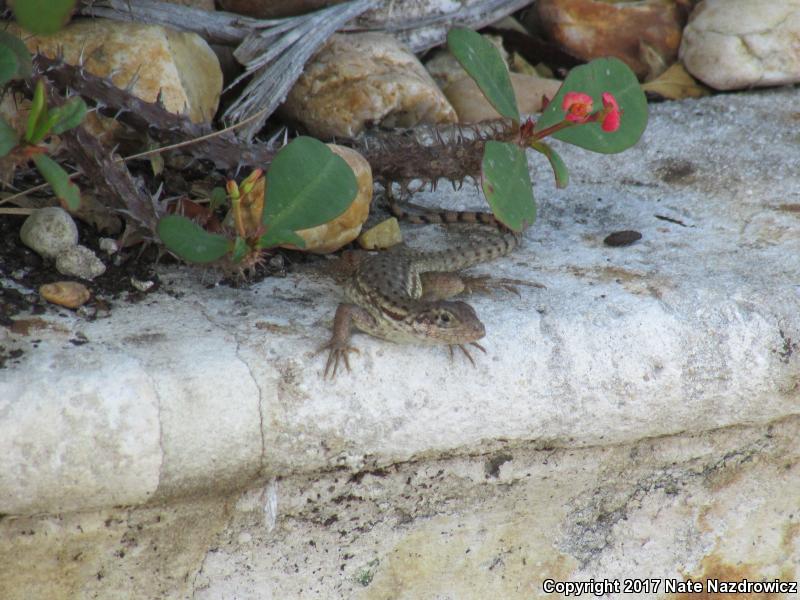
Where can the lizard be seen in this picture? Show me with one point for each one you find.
(402, 295)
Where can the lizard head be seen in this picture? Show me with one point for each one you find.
(449, 323)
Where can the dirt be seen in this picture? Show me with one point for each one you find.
(22, 272)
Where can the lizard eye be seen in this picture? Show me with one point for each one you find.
(445, 317)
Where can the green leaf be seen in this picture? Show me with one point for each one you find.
(189, 241)
(68, 115)
(43, 126)
(17, 46)
(9, 138)
(601, 75)
(307, 185)
(556, 163)
(483, 63)
(37, 112)
(506, 183)
(65, 190)
(9, 64)
(272, 239)
(43, 16)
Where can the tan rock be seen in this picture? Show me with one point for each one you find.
(342, 230)
(363, 79)
(473, 107)
(180, 66)
(644, 34)
(734, 44)
(383, 235)
(69, 294)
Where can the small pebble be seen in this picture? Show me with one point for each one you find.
(49, 231)
(81, 262)
(622, 238)
(140, 285)
(69, 294)
(109, 245)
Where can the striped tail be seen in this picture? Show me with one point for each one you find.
(499, 241)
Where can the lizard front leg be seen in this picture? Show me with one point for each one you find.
(338, 346)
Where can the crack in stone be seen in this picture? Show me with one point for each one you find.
(260, 405)
(262, 460)
(159, 413)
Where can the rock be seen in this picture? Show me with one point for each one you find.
(69, 294)
(472, 106)
(383, 235)
(364, 79)
(49, 231)
(79, 261)
(736, 44)
(142, 285)
(644, 34)
(179, 66)
(346, 227)
(109, 245)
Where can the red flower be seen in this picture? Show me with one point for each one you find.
(610, 113)
(577, 106)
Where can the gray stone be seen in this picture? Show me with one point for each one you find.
(79, 261)
(637, 416)
(49, 231)
(735, 44)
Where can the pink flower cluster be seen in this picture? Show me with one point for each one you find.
(578, 107)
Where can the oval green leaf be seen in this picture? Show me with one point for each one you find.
(9, 138)
(65, 190)
(556, 163)
(189, 241)
(506, 183)
(307, 185)
(601, 75)
(68, 115)
(483, 63)
(17, 46)
(43, 16)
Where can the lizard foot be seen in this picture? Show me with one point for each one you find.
(336, 351)
(465, 351)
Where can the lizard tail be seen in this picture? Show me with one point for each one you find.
(428, 216)
(500, 242)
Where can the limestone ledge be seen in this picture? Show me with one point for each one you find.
(695, 327)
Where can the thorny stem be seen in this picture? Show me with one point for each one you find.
(152, 152)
